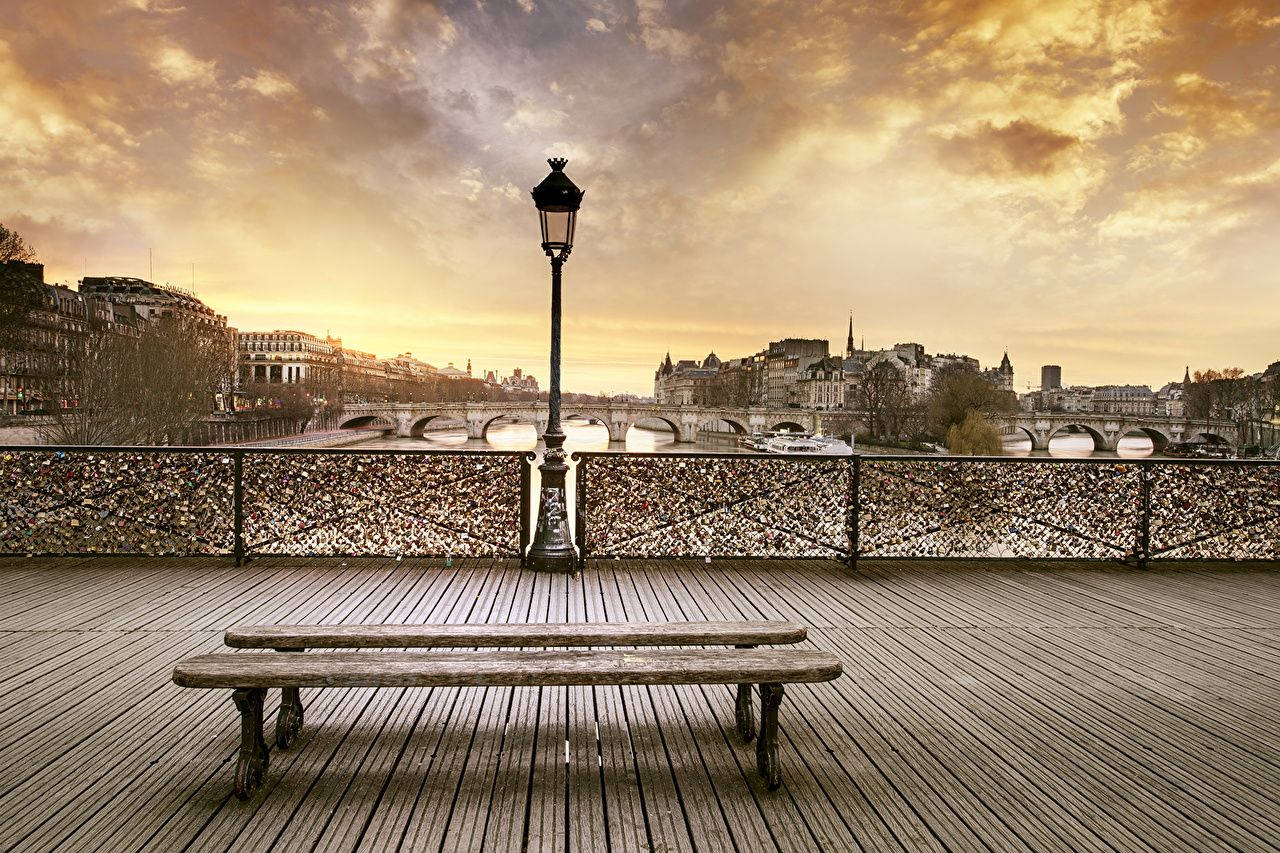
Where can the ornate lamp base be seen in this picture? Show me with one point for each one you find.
(552, 548)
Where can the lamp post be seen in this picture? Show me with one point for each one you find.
(557, 200)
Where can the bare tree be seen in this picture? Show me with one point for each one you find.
(959, 390)
(148, 387)
(881, 391)
(20, 294)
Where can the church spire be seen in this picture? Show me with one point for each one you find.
(848, 347)
(1186, 376)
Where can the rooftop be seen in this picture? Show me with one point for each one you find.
(1047, 705)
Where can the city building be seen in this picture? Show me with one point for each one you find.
(520, 382)
(786, 361)
(1001, 377)
(1169, 402)
(1050, 377)
(363, 376)
(39, 353)
(286, 356)
(1124, 400)
(451, 372)
(151, 301)
(823, 386)
(687, 382)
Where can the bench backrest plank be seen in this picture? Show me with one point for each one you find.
(534, 635)
(508, 668)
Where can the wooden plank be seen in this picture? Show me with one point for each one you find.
(507, 668)
(522, 635)
(1076, 706)
(626, 826)
(510, 802)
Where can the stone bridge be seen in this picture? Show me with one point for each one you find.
(1107, 430)
(411, 419)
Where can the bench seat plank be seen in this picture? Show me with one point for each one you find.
(761, 633)
(507, 668)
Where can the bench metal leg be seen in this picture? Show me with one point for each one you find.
(767, 746)
(744, 711)
(289, 720)
(251, 767)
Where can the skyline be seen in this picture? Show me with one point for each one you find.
(1089, 184)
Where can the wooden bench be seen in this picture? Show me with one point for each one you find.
(297, 638)
(249, 676)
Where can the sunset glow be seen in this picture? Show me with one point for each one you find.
(1085, 183)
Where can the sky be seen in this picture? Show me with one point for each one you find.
(1090, 183)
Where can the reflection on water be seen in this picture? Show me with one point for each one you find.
(582, 436)
(1075, 445)
(578, 436)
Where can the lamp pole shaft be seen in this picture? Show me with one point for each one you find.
(553, 398)
(552, 548)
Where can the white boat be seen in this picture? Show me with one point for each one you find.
(820, 445)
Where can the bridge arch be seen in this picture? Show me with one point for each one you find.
(1212, 437)
(1017, 431)
(420, 424)
(717, 423)
(789, 426)
(364, 421)
(649, 416)
(1159, 440)
(1099, 440)
(518, 417)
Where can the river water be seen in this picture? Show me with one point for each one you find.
(582, 436)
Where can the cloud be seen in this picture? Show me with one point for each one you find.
(656, 35)
(958, 169)
(177, 66)
(1019, 147)
(268, 84)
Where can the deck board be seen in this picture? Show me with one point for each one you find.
(1012, 705)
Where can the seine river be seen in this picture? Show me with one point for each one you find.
(584, 436)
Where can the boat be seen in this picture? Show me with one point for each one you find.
(819, 445)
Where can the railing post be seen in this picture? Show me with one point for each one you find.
(855, 483)
(580, 509)
(237, 504)
(1144, 528)
(526, 466)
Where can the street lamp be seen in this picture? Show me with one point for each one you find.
(557, 200)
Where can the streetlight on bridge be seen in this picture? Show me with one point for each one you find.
(557, 200)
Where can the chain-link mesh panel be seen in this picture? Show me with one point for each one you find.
(393, 504)
(1216, 511)
(1063, 510)
(116, 502)
(657, 506)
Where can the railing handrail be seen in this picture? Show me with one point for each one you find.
(927, 457)
(215, 449)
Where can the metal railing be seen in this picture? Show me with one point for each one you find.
(721, 505)
(245, 502)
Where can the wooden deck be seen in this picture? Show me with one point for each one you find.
(1042, 706)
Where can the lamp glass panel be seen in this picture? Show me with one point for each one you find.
(557, 227)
